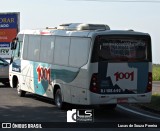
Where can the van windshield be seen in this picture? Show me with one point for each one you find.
(120, 49)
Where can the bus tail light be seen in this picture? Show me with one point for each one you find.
(94, 83)
(149, 86)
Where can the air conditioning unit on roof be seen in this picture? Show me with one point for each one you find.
(82, 26)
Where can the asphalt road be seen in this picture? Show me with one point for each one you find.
(33, 108)
(156, 87)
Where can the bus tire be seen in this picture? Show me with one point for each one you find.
(58, 99)
(19, 91)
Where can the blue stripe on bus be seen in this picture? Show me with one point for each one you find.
(142, 76)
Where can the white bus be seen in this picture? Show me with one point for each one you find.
(86, 64)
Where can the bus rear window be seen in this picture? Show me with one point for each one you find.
(120, 49)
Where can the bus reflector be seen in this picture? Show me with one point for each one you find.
(149, 86)
(94, 83)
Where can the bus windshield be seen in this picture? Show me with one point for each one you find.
(121, 49)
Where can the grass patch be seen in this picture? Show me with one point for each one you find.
(156, 72)
(154, 104)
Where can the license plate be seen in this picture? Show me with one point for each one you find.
(122, 100)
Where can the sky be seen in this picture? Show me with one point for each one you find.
(139, 16)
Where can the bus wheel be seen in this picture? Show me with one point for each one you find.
(58, 99)
(19, 91)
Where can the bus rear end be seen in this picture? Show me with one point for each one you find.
(123, 64)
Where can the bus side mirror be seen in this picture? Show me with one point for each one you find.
(14, 44)
(11, 60)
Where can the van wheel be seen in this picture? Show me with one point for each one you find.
(58, 99)
(19, 91)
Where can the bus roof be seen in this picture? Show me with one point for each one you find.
(79, 29)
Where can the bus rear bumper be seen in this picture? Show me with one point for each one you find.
(96, 99)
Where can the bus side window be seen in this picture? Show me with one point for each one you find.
(61, 52)
(25, 48)
(79, 51)
(47, 48)
(33, 48)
